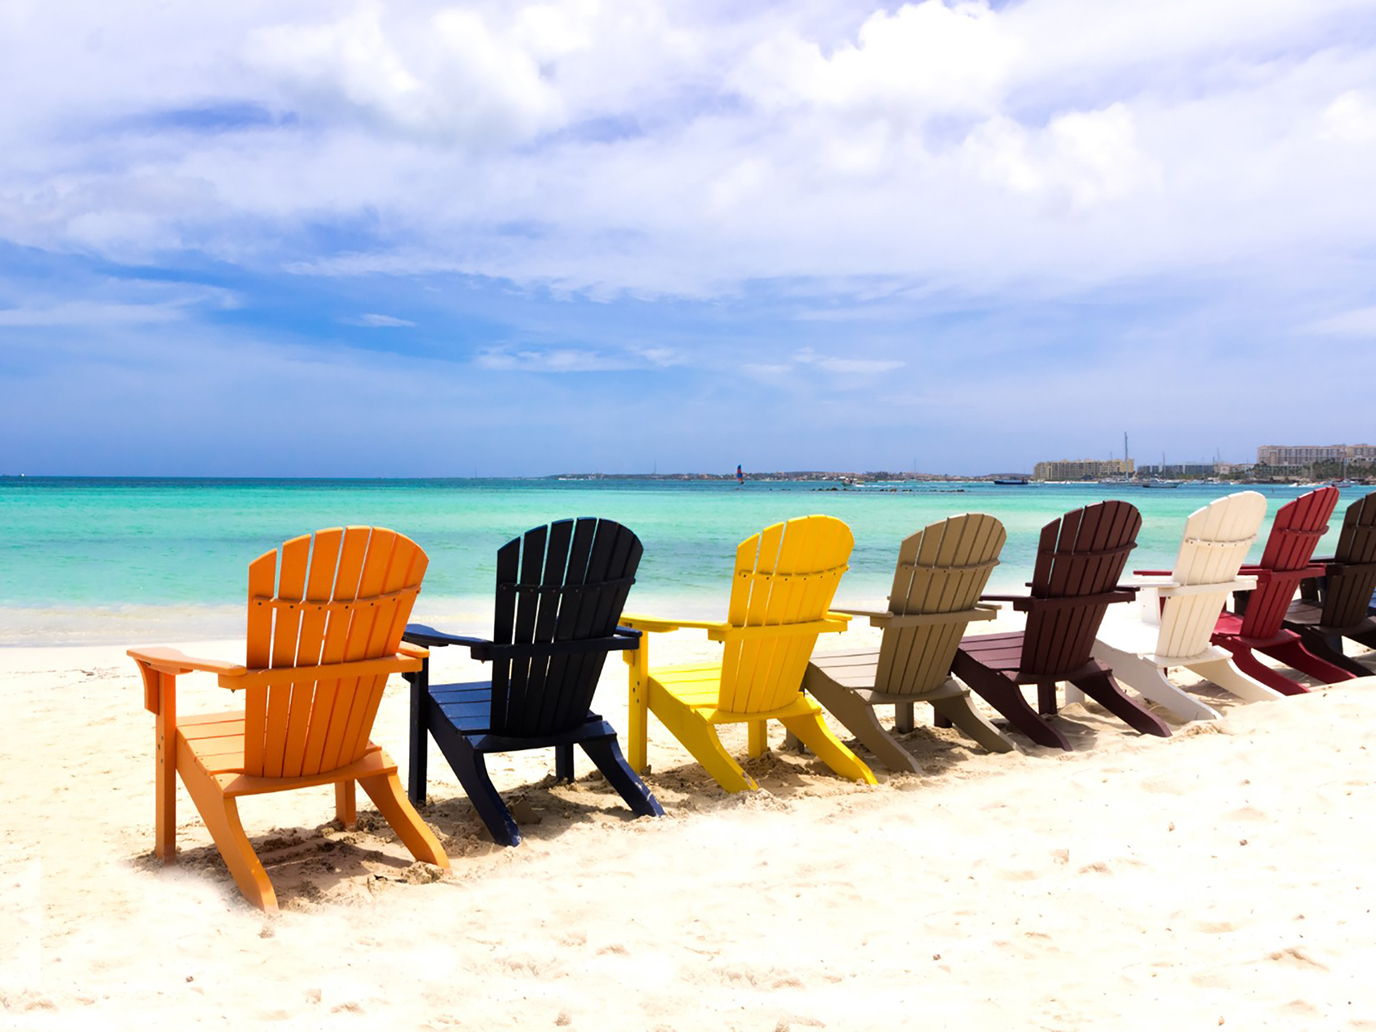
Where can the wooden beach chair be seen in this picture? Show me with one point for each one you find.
(1177, 613)
(1338, 605)
(785, 579)
(560, 590)
(1256, 626)
(325, 619)
(1079, 560)
(941, 571)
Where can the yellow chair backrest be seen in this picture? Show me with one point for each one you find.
(346, 598)
(785, 574)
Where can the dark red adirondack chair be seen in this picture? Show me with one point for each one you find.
(1079, 560)
(1337, 605)
(1256, 626)
(560, 592)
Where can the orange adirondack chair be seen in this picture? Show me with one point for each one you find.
(324, 632)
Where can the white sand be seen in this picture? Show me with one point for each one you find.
(1225, 875)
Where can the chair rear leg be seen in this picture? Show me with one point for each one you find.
(1006, 697)
(385, 792)
(1105, 691)
(1322, 646)
(1225, 674)
(471, 770)
(1247, 662)
(958, 711)
(1151, 683)
(859, 719)
(221, 816)
(828, 748)
(606, 754)
(1293, 654)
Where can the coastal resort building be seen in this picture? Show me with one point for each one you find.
(1083, 469)
(1296, 457)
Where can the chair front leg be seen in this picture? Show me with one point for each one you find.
(638, 706)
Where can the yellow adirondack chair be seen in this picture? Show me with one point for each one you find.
(785, 579)
(323, 634)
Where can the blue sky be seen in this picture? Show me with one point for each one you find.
(423, 239)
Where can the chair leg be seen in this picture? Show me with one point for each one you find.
(606, 755)
(221, 816)
(420, 744)
(1293, 654)
(699, 738)
(563, 762)
(1104, 690)
(958, 711)
(1007, 698)
(1148, 680)
(1225, 674)
(385, 792)
(903, 718)
(828, 748)
(1324, 649)
(757, 738)
(860, 720)
(471, 770)
(1248, 663)
(345, 805)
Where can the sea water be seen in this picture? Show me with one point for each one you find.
(138, 560)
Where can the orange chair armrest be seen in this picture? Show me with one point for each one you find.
(173, 661)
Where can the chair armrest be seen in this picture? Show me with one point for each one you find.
(1027, 603)
(718, 630)
(1169, 588)
(173, 661)
(421, 634)
(887, 620)
(655, 625)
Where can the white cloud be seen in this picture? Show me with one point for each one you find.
(377, 320)
(1360, 322)
(648, 149)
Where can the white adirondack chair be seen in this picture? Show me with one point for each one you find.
(1176, 614)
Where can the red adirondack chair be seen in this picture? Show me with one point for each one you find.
(1079, 560)
(1340, 609)
(1256, 626)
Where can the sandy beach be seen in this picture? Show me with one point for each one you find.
(1223, 876)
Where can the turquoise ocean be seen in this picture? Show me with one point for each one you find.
(140, 560)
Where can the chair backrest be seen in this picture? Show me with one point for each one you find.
(943, 568)
(785, 574)
(1294, 534)
(344, 596)
(1082, 553)
(564, 582)
(1348, 594)
(1212, 550)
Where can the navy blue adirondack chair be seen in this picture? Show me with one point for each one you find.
(560, 591)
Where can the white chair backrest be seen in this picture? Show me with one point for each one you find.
(1217, 538)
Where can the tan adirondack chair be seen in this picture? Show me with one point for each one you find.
(1176, 615)
(942, 569)
(785, 579)
(324, 631)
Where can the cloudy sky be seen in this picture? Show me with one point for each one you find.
(314, 237)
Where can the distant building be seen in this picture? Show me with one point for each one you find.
(1181, 469)
(1083, 469)
(1301, 455)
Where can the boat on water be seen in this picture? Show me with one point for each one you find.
(1157, 482)
(1012, 481)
